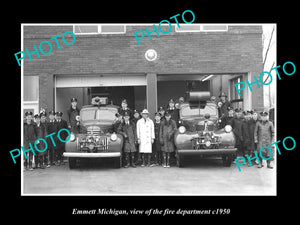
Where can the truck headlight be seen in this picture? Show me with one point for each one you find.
(113, 137)
(228, 128)
(181, 129)
(72, 138)
(207, 143)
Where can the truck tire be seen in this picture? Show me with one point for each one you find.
(72, 163)
(227, 160)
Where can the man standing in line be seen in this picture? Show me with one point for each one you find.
(145, 136)
(174, 112)
(60, 146)
(225, 104)
(73, 113)
(51, 127)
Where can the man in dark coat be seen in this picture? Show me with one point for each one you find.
(237, 130)
(117, 125)
(40, 130)
(60, 146)
(166, 138)
(156, 150)
(224, 105)
(29, 139)
(124, 108)
(246, 134)
(130, 139)
(73, 113)
(51, 127)
(227, 120)
(174, 112)
(136, 117)
(264, 136)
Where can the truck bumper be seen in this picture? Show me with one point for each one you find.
(92, 155)
(219, 151)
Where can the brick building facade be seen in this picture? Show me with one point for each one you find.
(113, 64)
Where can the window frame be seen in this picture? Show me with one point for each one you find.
(99, 29)
(201, 28)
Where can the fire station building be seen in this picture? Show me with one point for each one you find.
(106, 60)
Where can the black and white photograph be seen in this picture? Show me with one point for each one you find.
(175, 108)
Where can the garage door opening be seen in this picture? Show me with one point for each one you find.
(114, 86)
(135, 96)
(177, 86)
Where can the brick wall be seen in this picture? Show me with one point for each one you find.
(237, 51)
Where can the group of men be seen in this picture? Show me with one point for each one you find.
(252, 130)
(36, 127)
(39, 126)
(147, 142)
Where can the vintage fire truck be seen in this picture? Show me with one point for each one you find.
(199, 132)
(96, 138)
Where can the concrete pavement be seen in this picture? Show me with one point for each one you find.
(199, 177)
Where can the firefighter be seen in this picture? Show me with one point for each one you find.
(264, 136)
(73, 113)
(237, 130)
(60, 146)
(29, 138)
(51, 127)
(129, 132)
(166, 138)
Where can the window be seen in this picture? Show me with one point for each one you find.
(236, 99)
(191, 112)
(188, 28)
(99, 29)
(201, 28)
(214, 27)
(31, 88)
(98, 114)
(113, 29)
(31, 94)
(86, 29)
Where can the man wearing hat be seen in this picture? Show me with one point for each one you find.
(237, 123)
(174, 112)
(128, 130)
(162, 112)
(117, 125)
(51, 127)
(136, 116)
(145, 136)
(223, 106)
(264, 136)
(166, 138)
(60, 146)
(124, 108)
(227, 120)
(29, 137)
(40, 131)
(73, 113)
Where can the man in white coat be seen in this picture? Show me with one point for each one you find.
(145, 135)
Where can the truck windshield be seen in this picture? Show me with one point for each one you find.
(211, 109)
(98, 114)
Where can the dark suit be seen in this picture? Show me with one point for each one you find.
(51, 127)
(60, 146)
(72, 113)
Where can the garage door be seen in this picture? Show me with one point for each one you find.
(110, 80)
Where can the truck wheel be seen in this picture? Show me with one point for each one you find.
(227, 160)
(72, 163)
